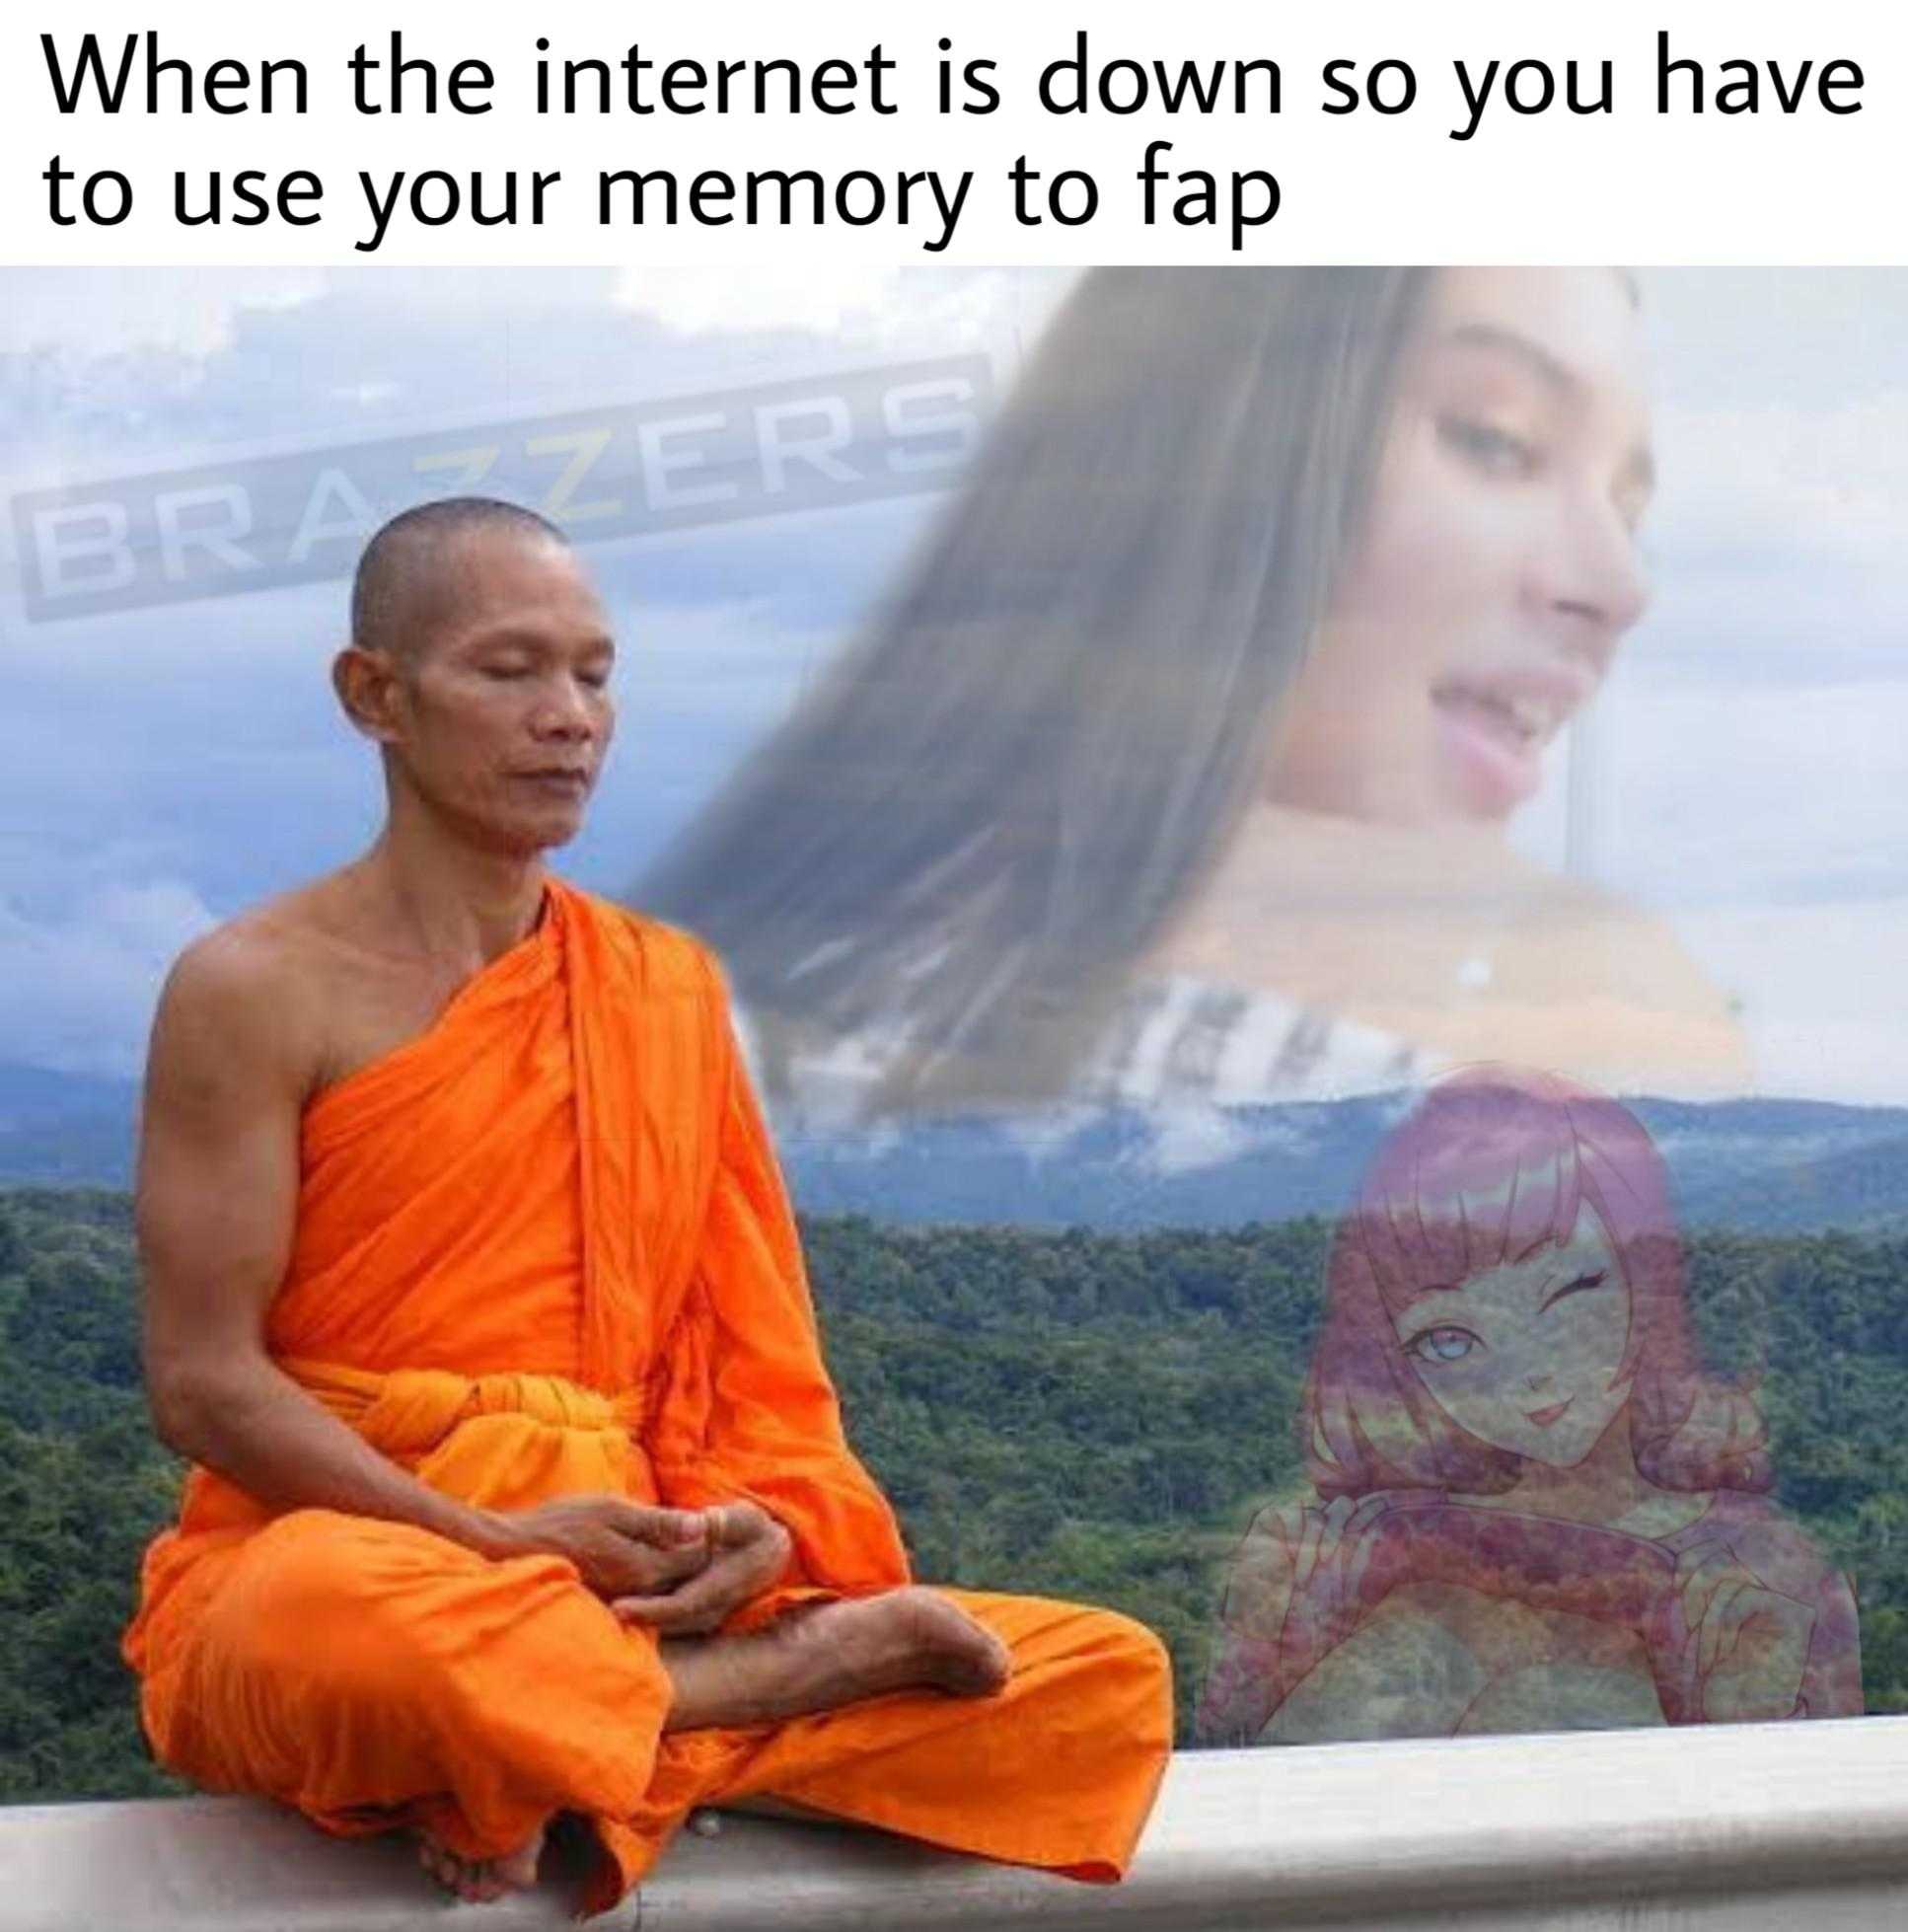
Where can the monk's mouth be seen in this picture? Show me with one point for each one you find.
(1543, 1418)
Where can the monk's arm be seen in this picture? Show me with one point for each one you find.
(217, 1198)
(228, 1073)
(747, 1410)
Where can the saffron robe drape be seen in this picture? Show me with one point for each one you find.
(544, 1250)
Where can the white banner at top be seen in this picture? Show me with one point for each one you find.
(736, 132)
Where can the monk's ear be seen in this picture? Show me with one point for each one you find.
(367, 684)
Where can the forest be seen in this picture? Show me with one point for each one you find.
(1075, 1414)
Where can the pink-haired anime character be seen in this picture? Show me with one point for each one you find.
(1536, 1510)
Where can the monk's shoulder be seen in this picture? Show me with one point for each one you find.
(239, 995)
(244, 961)
(674, 960)
(277, 963)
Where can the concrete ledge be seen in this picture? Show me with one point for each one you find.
(1759, 1827)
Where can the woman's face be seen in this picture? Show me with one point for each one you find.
(1526, 1355)
(1498, 568)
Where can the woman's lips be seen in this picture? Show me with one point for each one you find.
(1498, 766)
(1497, 722)
(1543, 1418)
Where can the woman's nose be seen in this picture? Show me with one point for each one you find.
(1539, 1378)
(1592, 577)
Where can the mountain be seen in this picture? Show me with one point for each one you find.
(1755, 1164)
(66, 1130)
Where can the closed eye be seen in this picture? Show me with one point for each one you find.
(1494, 450)
(1580, 1286)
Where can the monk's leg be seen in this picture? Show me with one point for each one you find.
(1059, 1770)
(823, 1656)
(373, 1674)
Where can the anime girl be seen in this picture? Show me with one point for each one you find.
(1536, 1510)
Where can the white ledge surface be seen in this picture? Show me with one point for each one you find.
(1762, 1827)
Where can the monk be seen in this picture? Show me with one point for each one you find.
(472, 1296)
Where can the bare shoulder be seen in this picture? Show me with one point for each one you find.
(1632, 936)
(241, 1002)
(1641, 951)
(230, 1067)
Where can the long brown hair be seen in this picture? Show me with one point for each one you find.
(958, 847)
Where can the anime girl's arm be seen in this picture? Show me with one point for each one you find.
(1242, 1685)
(1832, 1680)
(1292, 1596)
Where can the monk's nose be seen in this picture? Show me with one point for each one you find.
(564, 715)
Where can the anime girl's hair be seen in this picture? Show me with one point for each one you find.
(1492, 1162)
(965, 837)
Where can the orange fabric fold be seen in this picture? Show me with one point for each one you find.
(544, 1250)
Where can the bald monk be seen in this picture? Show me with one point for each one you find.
(474, 1297)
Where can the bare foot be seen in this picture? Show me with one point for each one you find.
(478, 1880)
(827, 1655)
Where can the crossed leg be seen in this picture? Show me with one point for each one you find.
(819, 1657)
(375, 1675)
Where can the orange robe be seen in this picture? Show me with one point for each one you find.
(542, 1249)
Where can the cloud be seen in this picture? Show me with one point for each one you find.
(1824, 998)
(1776, 482)
(152, 765)
(94, 314)
(1741, 791)
(850, 307)
(81, 987)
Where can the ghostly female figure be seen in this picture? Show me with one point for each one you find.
(1178, 762)
(1536, 1510)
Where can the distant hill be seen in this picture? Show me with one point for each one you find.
(1758, 1166)
(1754, 1165)
(66, 1130)
(1081, 1414)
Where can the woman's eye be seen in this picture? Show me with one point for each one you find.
(1496, 452)
(1443, 1345)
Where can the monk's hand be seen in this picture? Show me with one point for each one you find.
(748, 1550)
(619, 1548)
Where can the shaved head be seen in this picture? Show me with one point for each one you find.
(407, 579)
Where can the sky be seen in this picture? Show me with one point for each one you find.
(163, 765)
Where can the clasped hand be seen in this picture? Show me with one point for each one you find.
(1750, 1642)
(680, 1571)
(1292, 1596)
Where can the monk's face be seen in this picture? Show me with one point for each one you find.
(503, 714)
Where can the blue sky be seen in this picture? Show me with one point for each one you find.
(161, 768)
